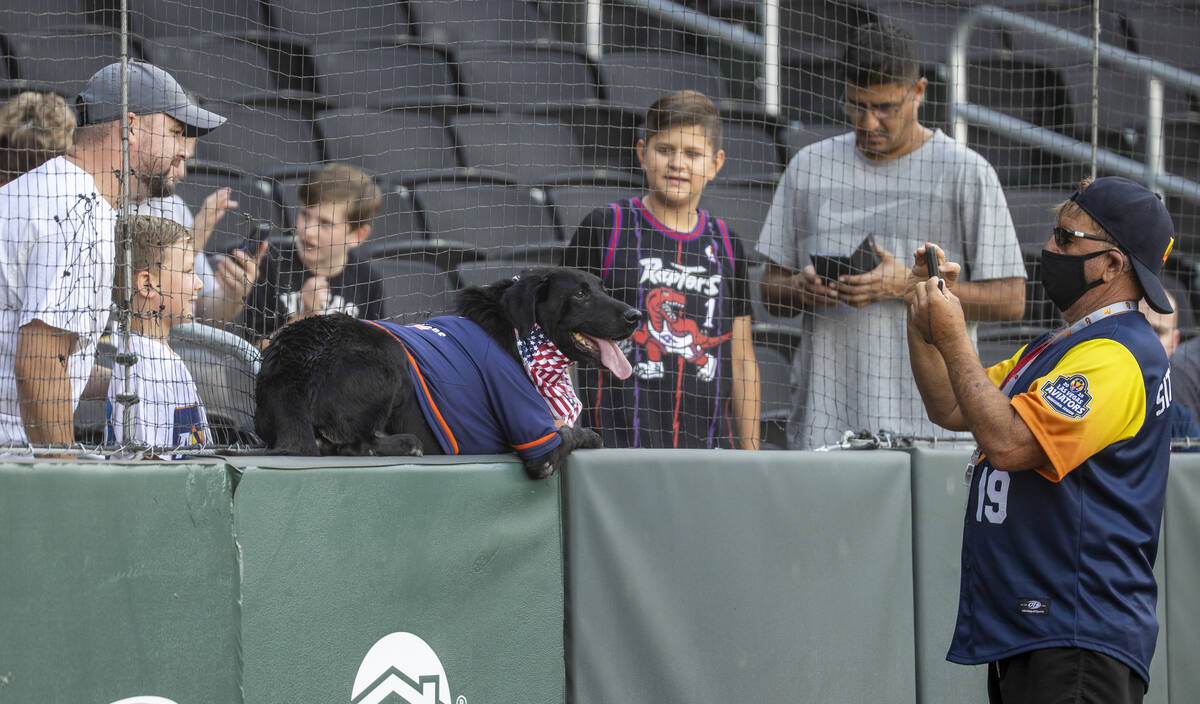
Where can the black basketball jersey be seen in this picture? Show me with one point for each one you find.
(690, 286)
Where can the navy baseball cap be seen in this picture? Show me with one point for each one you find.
(151, 90)
(1137, 219)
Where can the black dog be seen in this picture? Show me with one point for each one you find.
(335, 385)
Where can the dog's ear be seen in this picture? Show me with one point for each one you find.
(520, 300)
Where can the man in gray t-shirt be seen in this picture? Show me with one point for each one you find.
(905, 185)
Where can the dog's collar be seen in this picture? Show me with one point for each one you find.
(547, 368)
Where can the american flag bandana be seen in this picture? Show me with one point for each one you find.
(547, 368)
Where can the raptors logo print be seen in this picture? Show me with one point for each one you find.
(668, 330)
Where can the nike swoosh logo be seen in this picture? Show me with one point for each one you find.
(852, 215)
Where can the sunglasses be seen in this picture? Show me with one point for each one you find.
(1062, 237)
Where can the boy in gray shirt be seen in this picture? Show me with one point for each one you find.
(904, 184)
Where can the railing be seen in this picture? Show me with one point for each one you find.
(1152, 172)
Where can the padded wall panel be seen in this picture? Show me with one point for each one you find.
(117, 580)
(1182, 528)
(939, 501)
(465, 557)
(735, 576)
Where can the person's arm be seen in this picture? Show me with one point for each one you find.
(747, 393)
(44, 385)
(210, 213)
(998, 429)
(236, 274)
(785, 293)
(996, 299)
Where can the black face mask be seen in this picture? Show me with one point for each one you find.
(1064, 279)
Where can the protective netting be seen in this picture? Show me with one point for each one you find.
(489, 130)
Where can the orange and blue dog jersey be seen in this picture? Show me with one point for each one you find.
(477, 399)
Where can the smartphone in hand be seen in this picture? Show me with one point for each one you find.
(257, 234)
(932, 255)
(831, 266)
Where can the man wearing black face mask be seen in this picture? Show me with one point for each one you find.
(1067, 483)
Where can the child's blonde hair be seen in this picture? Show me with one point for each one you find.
(34, 127)
(146, 238)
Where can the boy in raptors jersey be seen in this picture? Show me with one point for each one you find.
(168, 412)
(695, 379)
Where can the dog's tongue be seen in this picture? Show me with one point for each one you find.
(611, 357)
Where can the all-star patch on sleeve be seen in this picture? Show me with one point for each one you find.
(1093, 397)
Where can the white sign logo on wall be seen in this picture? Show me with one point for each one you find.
(404, 665)
(144, 700)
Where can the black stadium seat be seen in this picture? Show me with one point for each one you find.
(382, 72)
(743, 205)
(1032, 211)
(213, 67)
(24, 16)
(339, 20)
(637, 78)
(526, 147)
(387, 143)
(269, 136)
(469, 21)
(64, 58)
(167, 18)
(524, 76)
(751, 148)
(493, 216)
(573, 198)
(414, 290)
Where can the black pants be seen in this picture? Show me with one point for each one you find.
(1063, 676)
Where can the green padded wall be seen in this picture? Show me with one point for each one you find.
(939, 501)
(465, 557)
(731, 576)
(117, 580)
(1182, 526)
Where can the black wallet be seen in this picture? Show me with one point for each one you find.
(831, 266)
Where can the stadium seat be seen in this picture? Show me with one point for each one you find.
(63, 58)
(339, 20)
(606, 132)
(743, 205)
(489, 215)
(751, 147)
(214, 67)
(469, 21)
(638, 78)
(932, 27)
(268, 136)
(414, 290)
(1029, 92)
(625, 27)
(811, 91)
(167, 18)
(224, 367)
(522, 76)
(774, 377)
(1032, 211)
(387, 143)
(819, 28)
(526, 147)
(1167, 32)
(573, 199)
(397, 226)
(382, 72)
(25, 16)
(253, 195)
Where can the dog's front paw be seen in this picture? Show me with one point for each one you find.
(589, 439)
(540, 468)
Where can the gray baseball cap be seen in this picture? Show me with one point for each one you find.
(151, 90)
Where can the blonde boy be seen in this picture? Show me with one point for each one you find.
(168, 413)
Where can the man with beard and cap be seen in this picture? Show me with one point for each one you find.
(903, 184)
(56, 230)
(226, 285)
(1067, 483)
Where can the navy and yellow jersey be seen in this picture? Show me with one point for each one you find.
(690, 287)
(1063, 556)
(477, 399)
